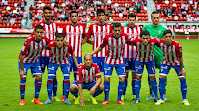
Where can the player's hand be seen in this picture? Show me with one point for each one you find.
(92, 91)
(22, 74)
(65, 43)
(78, 65)
(82, 101)
(183, 72)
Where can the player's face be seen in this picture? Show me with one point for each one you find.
(47, 14)
(131, 21)
(59, 42)
(155, 18)
(74, 17)
(145, 39)
(38, 34)
(101, 17)
(167, 38)
(117, 32)
(88, 61)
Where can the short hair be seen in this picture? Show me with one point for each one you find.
(59, 35)
(132, 15)
(73, 12)
(145, 33)
(38, 27)
(47, 8)
(116, 24)
(166, 32)
(154, 12)
(87, 54)
(100, 11)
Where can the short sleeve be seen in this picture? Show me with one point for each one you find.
(25, 47)
(64, 31)
(89, 32)
(97, 72)
(79, 76)
(131, 41)
(179, 50)
(104, 42)
(70, 49)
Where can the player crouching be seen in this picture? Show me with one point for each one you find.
(86, 79)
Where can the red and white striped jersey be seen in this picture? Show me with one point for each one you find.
(50, 30)
(31, 49)
(130, 51)
(171, 53)
(115, 50)
(59, 55)
(98, 33)
(144, 53)
(88, 75)
(74, 35)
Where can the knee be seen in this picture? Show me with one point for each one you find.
(133, 75)
(162, 76)
(39, 77)
(72, 87)
(121, 79)
(101, 87)
(107, 79)
(138, 77)
(127, 75)
(152, 77)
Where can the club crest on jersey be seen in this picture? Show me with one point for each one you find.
(159, 31)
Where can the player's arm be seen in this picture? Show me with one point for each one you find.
(87, 40)
(99, 48)
(81, 95)
(131, 41)
(179, 54)
(88, 36)
(22, 72)
(98, 82)
(70, 50)
(79, 86)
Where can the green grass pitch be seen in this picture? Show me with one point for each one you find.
(10, 97)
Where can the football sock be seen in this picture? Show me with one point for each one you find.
(154, 87)
(22, 88)
(121, 87)
(106, 90)
(133, 86)
(49, 88)
(126, 83)
(38, 84)
(183, 88)
(55, 86)
(162, 87)
(97, 92)
(137, 88)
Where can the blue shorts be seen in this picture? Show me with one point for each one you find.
(35, 68)
(85, 85)
(72, 64)
(100, 62)
(129, 64)
(44, 61)
(164, 70)
(52, 69)
(150, 66)
(120, 69)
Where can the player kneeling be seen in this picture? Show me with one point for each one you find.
(172, 52)
(86, 79)
(59, 51)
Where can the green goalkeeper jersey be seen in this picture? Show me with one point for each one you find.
(155, 31)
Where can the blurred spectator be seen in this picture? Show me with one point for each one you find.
(169, 27)
(182, 26)
(12, 21)
(30, 11)
(182, 6)
(25, 15)
(23, 23)
(83, 18)
(158, 7)
(5, 3)
(176, 26)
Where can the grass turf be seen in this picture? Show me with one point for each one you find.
(10, 95)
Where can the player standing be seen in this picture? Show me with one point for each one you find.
(28, 59)
(58, 59)
(114, 58)
(86, 79)
(144, 56)
(50, 30)
(172, 52)
(98, 31)
(155, 30)
(130, 52)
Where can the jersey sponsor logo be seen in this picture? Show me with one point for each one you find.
(117, 46)
(49, 32)
(100, 33)
(74, 33)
